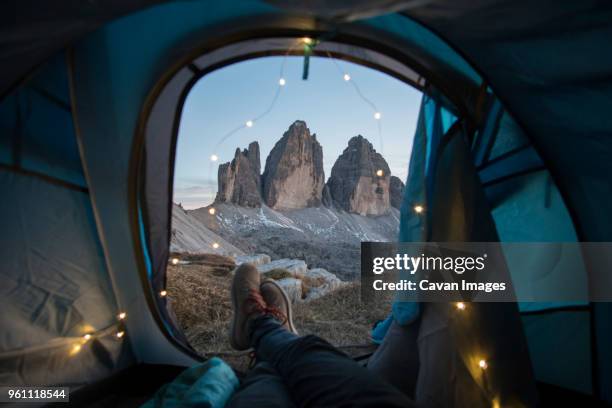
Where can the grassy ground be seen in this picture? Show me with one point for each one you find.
(199, 297)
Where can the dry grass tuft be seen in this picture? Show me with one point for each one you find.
(277, 274)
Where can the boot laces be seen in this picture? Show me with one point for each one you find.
(258, 304)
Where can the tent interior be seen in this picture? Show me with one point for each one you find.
(512, 130)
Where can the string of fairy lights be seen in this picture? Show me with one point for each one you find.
(118, 329)
(308, 44)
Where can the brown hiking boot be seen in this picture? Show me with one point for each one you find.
(278, 303)
(247, 303)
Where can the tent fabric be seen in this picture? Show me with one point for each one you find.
(50, 233)
(56, 287)
(37, 130)
(517, 199)
(33, 31)
(433, 122)
(547, 62)
(492, 331)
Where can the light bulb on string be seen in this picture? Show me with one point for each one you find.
(87, 336)
(249, 123)
(460, 305)
(75, 349)
(377, 115)
(214, 158)
(282, 82)
(347, 77)
(122, 316)
(212, 210)
(175, 261)
(120, 334)
(483, 364)
(418, 209)
(163, 293)
(215, 245)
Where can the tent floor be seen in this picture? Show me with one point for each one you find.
(135, 385)
(128, 388)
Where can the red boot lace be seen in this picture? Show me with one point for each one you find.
(258, 304)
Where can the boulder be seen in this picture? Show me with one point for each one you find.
(239, 181)
(319, 282)
(256, 259)
(295, 266)
(360, 178)
(396, 192)
(293, 177)
(319, 291)
(292, 287)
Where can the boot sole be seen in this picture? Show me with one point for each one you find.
(233, 324)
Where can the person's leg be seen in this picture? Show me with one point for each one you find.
(318, 374)
(315, 372)
(262, 388)
(397, 358)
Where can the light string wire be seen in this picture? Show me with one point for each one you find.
(365, 99)
(271, 105)
(281, 84)
(75, 342)
(305, 42)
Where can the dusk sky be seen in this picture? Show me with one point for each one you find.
(330, 106)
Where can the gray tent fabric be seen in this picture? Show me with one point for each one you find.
(50, 233)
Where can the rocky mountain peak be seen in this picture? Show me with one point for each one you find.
(360, 179)
(239, 180)
(396, 192)
(293, 177)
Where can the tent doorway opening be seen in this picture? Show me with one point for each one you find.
(288, 163)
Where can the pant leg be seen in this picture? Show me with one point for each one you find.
(262, 388)
(317, 374)
(396, 360)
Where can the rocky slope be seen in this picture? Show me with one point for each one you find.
(190, 235)
(323, 237)
(290, 213)
(293, 176)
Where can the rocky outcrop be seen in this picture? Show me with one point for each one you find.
(360, 179)
(239, 180)
(396, 192)
(320, 282)
(256, 259)
(190, 235)
(294, 266)
(292, 287)
(300, 283)
(293, 176)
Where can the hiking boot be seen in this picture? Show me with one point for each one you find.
(278, 303)
(247, 304)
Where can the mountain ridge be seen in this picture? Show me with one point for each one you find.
(360, 182)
